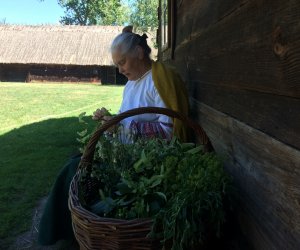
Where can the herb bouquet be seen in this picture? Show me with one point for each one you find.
(178, 186)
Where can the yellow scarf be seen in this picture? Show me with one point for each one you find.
(173, 92)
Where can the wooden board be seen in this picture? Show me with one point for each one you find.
(267, 175)
(255, 46)
(243, 58)
(276, 115)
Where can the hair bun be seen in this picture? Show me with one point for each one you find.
(144, 36)
(127, 29)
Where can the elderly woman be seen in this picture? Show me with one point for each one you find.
(150, 84)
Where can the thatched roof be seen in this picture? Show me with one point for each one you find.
(64, 45)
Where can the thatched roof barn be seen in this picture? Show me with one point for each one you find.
(57, 53)
(68, 45)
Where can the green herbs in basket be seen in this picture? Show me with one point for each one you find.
(177, 184)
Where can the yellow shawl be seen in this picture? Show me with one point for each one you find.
(173, 92)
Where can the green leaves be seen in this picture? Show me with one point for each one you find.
(94, 12)
(81, 118)
(144, 15)
(178, 185)
(195, 150)
(138, 166)
(122, 188)
(154, 181)
(104, 206)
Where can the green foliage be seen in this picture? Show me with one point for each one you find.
(177, 184)
(94, 12)
(114, 12)
(144, 15)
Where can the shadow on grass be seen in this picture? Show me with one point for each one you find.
(30, 159)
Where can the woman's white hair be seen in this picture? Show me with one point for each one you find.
(126, 43)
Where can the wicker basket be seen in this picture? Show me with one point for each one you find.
(95, 232)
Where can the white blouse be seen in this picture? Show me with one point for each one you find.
(143, 93)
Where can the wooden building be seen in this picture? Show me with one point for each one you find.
(241, 64)
(58, 53)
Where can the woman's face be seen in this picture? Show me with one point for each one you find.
(129, 66)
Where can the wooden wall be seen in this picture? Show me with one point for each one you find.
(60, 73)
(1, 71)
(16, 73)
(241, 62)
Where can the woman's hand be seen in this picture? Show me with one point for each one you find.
(99, 114)
(103, 116)
(112, 128)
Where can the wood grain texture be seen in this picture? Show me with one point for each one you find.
(247, 44)
(243, 58)
(267, 175)
(278, 116)
(240, 60)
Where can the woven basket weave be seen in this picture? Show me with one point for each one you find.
(95, 232)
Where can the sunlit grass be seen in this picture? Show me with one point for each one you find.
(38, 130)
(27, 103)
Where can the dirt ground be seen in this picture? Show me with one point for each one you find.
(28, 240)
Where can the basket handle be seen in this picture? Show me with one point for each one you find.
(88, 153)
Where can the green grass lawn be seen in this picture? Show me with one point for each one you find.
(37, 135)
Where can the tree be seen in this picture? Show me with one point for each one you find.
(114, 12)
(144, 14)
(93, 12)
